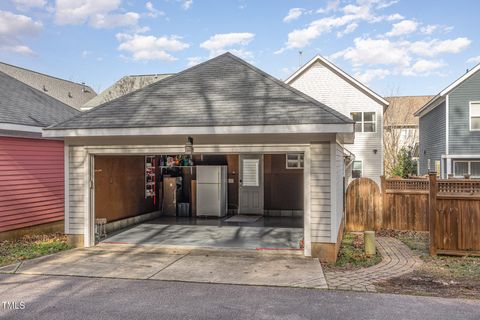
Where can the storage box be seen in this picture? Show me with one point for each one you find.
(183, 209)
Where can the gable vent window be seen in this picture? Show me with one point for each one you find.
(475, 116)
(295, 161)
(364, 121)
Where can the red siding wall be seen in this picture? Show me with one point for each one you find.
(31, 182)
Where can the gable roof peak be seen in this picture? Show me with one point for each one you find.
(337, 70)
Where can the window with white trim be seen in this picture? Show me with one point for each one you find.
(294, 161)
(364, 121)
(475, 116)
(357, 168)
(466, 167)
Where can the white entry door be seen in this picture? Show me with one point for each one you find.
(251, 184)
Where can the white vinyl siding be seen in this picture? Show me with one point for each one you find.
(336, 92)
(320, 204)
(76, 192)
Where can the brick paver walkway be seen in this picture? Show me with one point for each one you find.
(397, 259)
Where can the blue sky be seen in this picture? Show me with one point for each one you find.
(401, 47)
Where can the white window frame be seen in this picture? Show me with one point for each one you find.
(374, 121)
(469, 165)
(361, 170)
(470, 114)
(300, 161)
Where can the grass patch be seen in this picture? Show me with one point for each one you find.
(352, 255)
(30, 247)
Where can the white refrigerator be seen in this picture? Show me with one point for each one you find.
(212, 191)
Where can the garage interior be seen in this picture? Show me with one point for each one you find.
(200, 200)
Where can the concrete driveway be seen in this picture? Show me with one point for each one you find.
(247, 267)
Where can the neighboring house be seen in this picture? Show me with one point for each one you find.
(123, 86)
(31, 167)
(71, 93)
(450, 129)
(401, 127)
(230, 109)
(325, 82)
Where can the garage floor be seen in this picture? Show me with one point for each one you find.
(188, 235)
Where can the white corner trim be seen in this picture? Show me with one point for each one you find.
(66, 169)
(447, 120)
(267, 129)
(20, 127)
(339, 71)
(333, 191)
(307, 227)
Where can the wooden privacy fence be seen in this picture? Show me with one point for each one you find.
(449, 209)
(454, 216)
(402, 205)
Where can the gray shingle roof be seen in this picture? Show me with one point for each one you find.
(123, 86)
(223, 91)
(24, 105)
(71, 93)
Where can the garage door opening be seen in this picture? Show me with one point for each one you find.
(252, 201)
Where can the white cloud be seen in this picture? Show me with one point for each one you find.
(27, 4)
(193, 61)
(143, 47)
(423, 67)
(152, 11)
(474, 60)
(293, 14)
(14, 27)
(233, 42)
(351, 14)
(106, 21)
(367, 51)
(436, 47)
(395, 16)
(411, 58)
(187, 4)
(402, 28)
(99, 14)
(429, 29)
(349, 29)
(86, 53)
(331, 6)
(370, 74)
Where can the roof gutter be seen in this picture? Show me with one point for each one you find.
(156, 131)
(20, 127)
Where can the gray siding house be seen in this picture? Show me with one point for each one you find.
(450, 129)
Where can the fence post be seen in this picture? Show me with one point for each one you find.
(432, 209)
(382, 204)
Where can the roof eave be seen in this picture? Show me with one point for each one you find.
(344, 128)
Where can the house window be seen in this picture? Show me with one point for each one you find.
(463, 168)
(294, 161)
(357, 168)
(364, 121)
(475, 116)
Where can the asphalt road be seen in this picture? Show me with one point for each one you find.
(56, 297)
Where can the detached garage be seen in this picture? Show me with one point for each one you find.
(203, 158)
